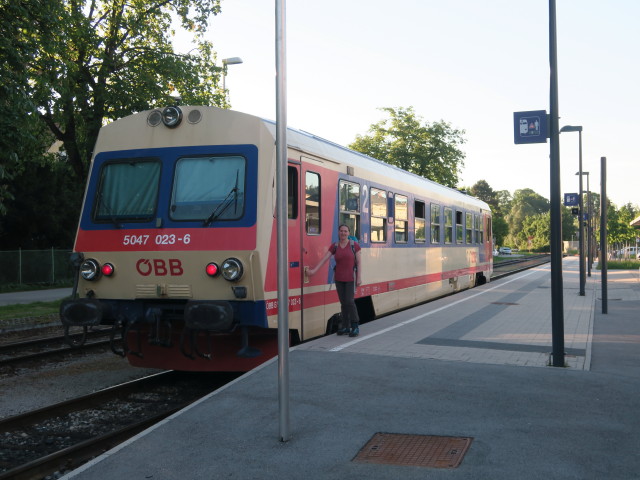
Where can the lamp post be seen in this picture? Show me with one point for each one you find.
(589, 228)
(225, 62)
(578, 128)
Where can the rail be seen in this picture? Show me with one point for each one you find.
(65, 435)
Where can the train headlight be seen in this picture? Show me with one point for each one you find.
(108, 269)
(90, 269)
(232, 269)
(171, 116)
(212, 269)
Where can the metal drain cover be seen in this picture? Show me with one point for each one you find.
(414, 450)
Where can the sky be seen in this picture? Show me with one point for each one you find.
(467, 62)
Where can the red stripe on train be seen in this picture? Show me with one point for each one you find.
(319, 298)
(166, 239)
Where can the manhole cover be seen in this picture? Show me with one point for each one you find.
(414, 450)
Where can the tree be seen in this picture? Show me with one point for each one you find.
(429, 150)
(619, 229)
(38, 217)
(526, 203)
(101, 60)
(21, 133)
(535, 233)
(73, 65)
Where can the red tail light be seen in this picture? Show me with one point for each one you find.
(107, 269)
(212, 269)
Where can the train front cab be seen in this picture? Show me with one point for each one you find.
(182, 277)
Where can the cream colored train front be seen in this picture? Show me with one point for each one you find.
(176, 242)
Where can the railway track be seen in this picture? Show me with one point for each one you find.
(66, 435)
(505, 268)
(42, 349)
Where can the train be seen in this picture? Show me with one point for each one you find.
(176, 245)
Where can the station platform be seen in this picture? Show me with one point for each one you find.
(459, 388)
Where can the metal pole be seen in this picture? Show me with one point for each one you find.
(557, 305)
(282, 240)
(581, 216)
(603, 231)
(589, 230)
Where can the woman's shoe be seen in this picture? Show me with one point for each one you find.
(343, 331)
(354, 332)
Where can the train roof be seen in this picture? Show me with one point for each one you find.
(128, 136)
(308, 142)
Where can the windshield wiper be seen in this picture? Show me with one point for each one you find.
(221, 208)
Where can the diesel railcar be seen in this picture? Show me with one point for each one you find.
(176, 243)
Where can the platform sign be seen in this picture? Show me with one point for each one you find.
(571, 199)
(530, 127)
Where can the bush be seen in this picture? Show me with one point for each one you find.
(621, 265)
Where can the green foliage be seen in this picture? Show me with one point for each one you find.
(621, 265)
(36, 309)
(619, 230)
(87, 62)
(535, 234)
(69, 68)
(429, 150)
(44, 212)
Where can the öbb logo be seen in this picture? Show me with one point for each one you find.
(159, 267)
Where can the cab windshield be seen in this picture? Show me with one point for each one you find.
(128, 191)
(208, 188)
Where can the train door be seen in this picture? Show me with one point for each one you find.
(315, 235)
(294, 215)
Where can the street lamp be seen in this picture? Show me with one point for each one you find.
(578, 128)
(589, 227)
(225, 62)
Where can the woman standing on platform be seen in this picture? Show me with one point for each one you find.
(347, 277)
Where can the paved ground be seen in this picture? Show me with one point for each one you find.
(468, 366)
(14, 298)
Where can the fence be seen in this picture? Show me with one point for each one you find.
(41, 267)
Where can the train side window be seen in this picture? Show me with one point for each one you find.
(469, 227)
(312, 203)
(435, 223)
(459, 227)
(292, 190)
(489, 235)
(478, 228)
(448, 225)
(378, 215)
(349, 200)
(420, 221)
(402, 219)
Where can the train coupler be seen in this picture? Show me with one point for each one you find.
(160, 334)
(205, 316)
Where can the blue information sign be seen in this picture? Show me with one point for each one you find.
(530, 127)
(571, 200)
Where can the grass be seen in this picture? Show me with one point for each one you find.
(26, 287)
(36, 309)
(621, 265)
